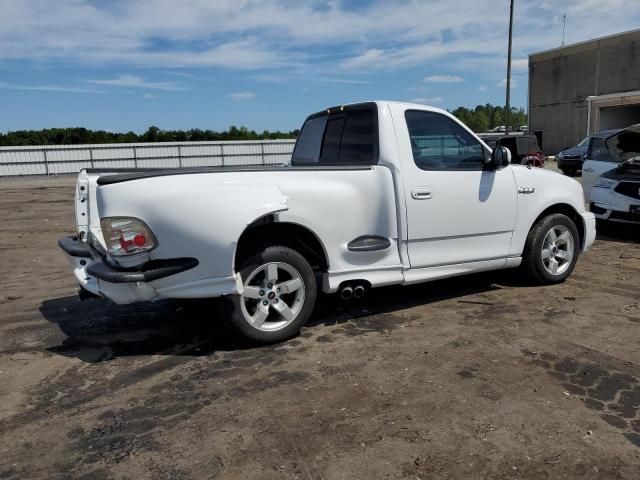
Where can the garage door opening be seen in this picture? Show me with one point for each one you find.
(619, 116)
(615, 110)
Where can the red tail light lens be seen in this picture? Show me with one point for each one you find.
(139, 240)
(126, 236)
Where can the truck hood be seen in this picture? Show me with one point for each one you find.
(525, 171)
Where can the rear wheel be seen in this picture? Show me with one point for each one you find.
(552, 249)
(278, 298)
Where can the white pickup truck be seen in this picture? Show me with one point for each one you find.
(378, 193)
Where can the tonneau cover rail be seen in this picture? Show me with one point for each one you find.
(140, 174)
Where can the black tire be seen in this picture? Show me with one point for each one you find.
(282, 256)
(533, 263)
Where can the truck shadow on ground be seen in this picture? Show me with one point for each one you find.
(97, 330)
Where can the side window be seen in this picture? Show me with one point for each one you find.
(439, 143)
(347, 137)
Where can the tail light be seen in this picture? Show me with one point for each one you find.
(126, 236)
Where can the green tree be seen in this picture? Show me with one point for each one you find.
(151, 135)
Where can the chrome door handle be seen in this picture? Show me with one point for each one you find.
(421, 193)
(590, 170)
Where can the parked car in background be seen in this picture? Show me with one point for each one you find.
(378, 193)
(616, 194)
(499, 129)
(523, 129)
(570, 159)
(524, 149)
(597, 160)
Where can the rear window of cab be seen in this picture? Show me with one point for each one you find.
(339, 136)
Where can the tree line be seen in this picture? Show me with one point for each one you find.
(82, 136)
(485, 117)
(480, 119)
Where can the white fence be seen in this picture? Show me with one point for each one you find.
(61, 159)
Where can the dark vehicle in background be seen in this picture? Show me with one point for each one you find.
(570, 160)
(524, 149)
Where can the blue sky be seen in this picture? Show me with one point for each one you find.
(124, 65)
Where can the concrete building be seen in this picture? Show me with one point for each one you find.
(583, 88)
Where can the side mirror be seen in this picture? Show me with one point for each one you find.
(500, 157)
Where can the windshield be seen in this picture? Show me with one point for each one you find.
(625, 145)
(584, 142)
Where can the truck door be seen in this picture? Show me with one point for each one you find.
(457, 211)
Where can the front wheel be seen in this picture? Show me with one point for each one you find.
(279, 293)
(552, 249)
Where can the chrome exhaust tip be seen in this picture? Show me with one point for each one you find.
(359, 291)
(346, 293)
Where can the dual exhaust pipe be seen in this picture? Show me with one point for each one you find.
(357, 291)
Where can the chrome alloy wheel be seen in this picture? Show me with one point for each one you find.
(558, 250)
(273, 296)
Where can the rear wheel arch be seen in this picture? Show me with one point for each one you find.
(267, 231)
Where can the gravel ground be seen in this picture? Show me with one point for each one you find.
(477, 377)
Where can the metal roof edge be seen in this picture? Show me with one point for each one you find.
(584, 42)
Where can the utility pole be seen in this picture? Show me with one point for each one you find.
(564, 27)
(508, 109)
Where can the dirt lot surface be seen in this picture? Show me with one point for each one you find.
(478, 377)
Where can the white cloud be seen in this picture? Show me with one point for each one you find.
(503, 83)
(242, 95)
(149, 96)
(307, 76)
(520, 64)
(427, 101)
(482, 88)
(269, 34)
(443, 79)
(132, 81)
(364, 60)
(47, 88)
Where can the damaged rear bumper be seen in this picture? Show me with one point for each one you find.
(95, 274)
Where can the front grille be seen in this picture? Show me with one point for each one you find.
(629, 189)
(572, 157)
